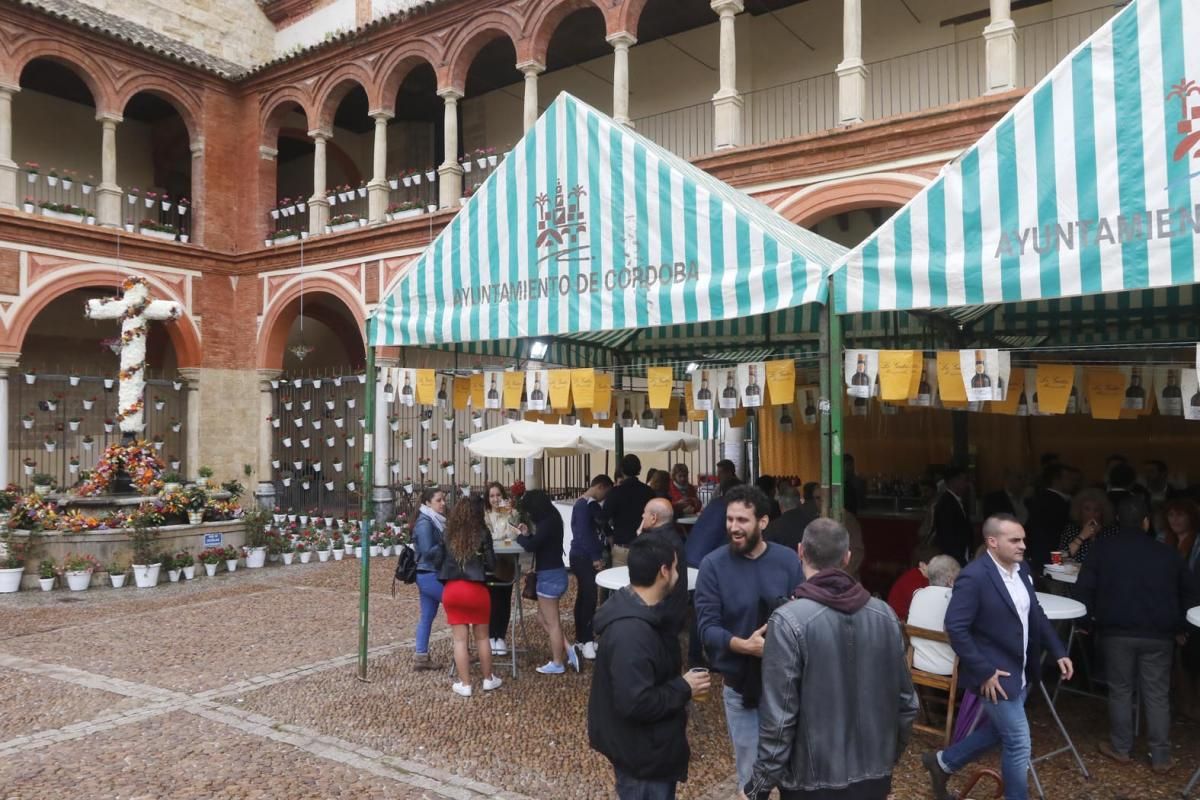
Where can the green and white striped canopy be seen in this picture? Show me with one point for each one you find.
(587, 226)
(1089, 184)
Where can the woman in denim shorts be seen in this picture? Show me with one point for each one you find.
(545, 541)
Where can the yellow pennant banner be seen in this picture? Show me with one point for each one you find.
(602, 395)
(1106, 392)
(659, 381)
(1016, 387)
(583, 388)
(426, 387)
(560, 388)
(781, 381)
(1054, 382)
(477, 391)
(950, 381)
(462, 394)
(514, 384)
(896, 374)
(918, 372)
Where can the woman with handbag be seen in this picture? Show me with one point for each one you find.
(500, 588)
(545, 541)
(428, 525)
(468, 558)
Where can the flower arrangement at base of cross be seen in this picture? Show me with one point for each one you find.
(32, 513)
(137, 459)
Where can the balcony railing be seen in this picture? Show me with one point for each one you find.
(915, 81)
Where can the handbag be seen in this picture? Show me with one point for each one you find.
(529, 590)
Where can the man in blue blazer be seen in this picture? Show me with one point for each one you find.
(998, 631)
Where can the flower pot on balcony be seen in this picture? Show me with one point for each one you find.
(345, 226)
(86, 188)
(183, 237)
(153, 234)
(131, 198)
(27, 207)
(91, 220)
(362, 191)
(52, 180)
(407, 214)
(182, 209)
(493, 160)
(274, 213)
(31, 177)
(166, 205)
(482, 162)
(431, 176)
(466, 166)
(416, 180)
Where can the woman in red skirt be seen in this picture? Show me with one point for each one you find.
(469, 556)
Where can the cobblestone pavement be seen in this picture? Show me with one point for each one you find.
(244, 686)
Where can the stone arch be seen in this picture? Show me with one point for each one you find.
(812, 204)
(184, 335)
(89, 69)
(333, 90)
(185, 103)
(333, 152)
(273, 332)
(466, 45)
(395, 69)
(627, 16)
(544, 21)
(271, 113)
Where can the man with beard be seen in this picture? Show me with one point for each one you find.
(736, 591)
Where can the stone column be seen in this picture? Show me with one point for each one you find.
(377, 189)
(381, 481)
(191, 459)
(1000, 38)
(727, 102)
(8, 361)
(194, 223)
(264, 492)
(8, 167)
(108, 193)
(318, 204)
(450, 172)
(852, 73)
(621, 42)
(531, 70)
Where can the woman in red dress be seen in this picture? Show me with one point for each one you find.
(469, 556)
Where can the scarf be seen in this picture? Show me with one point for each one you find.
(834, 589)
(438, 520)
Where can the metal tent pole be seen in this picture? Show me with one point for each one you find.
(823, 405)
(831, 411)
(368, 510)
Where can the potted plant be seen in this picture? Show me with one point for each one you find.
(87, 441)
(172, 482)
(433, 441)
(423, 465)
(78, 569)
(47, 571)
(30, 376)
(74, 422)
(448, 466)
(205, 473)
(406, 437)
(174, 462)
(159, 442)
(211, 559)
(323, 548)
(28, 205)
(185, 562)
(182, 206)
(12, 566)
(49, 443)
(408, 485)
(143, 537)
(108, 425)
(476, 466)
(28, 465)
(255, 522)
(197, 499)
(73, 464)
(394, 466)
(167, 560)
(117, 573)
(230, 555)
(288, 551)
(176, 426)
(304, 551)
(27, 421)
(448, 420)
(43, 484)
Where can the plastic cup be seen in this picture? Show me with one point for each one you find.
(702, 696)
(1056, 557)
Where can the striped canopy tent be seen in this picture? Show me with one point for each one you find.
(1089, 185)
(589, 236)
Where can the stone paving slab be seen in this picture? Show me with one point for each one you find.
(33, 703)
(183, 756)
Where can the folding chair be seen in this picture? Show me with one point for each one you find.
(945, 683)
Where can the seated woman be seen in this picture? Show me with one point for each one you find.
(1092, 517)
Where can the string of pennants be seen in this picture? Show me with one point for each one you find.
(985, 380)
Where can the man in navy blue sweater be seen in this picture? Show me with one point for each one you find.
(587, 559)
(736, 591)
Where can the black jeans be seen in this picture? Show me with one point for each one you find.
(585, 597)
(501, 610)
(1146, 662)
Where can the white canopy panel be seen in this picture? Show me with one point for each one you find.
(524, 439)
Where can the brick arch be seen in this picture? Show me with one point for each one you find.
(330, 93)
(627, 16)
(185, 102)
(396, 68)
(810, 205)
(271, 112)
(184, 335)
(544, 21)
(333, 152)
(89, 69)
(273, 333)
(467, 43)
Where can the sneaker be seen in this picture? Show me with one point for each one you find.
(500, 648)
(938, 777)
(588, 650)
(462, 689)
(423, 663)
(492, 645)
(573, 658)
(1110, 752)
(552, 668)
(491, 683)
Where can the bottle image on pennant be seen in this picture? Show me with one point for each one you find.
(1172, 395)
(730, 392)
(648, 417)
(860, 377)
(705, 394)
(493, 393)
(1135, 395)
(980, 380)
(924, 391)
(627, 415)
(537, 396)
(810, 410)
(407, 390)
(752, 387)
(441, 395)
(785, 419)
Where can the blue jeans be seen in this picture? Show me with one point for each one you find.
(431, 598)
(631, 788)
(743, 731)
(1006, 725)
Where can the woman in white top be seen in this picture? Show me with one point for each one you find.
(500, 588)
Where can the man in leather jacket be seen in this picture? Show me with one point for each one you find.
(837, 702)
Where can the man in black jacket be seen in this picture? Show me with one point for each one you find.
(953, 532)
(624, 506)
(637, 711)
(1049, 513)
(1138, 591)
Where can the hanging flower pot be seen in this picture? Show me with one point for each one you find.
(329, 486)
(28, 468)
(166, 205)
(50, 445)
(351, 486)
(425, 423)
(87, 443)
(298, 382)
(431, 175)
(433, 444)
(286, 482)
(73, 424)
(330, 441)
(305, 443)
(87, 404)
(350, 441)
(30, 378)
(394, 467)
(108, 383)
(287, 405)
(316, 466)
(408, 487)
(275, 422)
(176, 427)
(337, 466)
(177, 385)
(449, 423)
(316, 383)
(329, 404)
(339, 422)
(493, 160)
(449, 468)
(477, 468)
(305, 485)
(306, 405)
(27, 422)
(297, 464)
(51, 405)
(337, 381)
(52, 180)
(466, 165)
(274, 384)
(287, 441)
(408, 442)
(407, 180)
(149, 202)
(416, 179)
(424, 468)
(275, 465)
(175, 464)
(73, 380)
(350, 401)
(298, 422)
(108, 426)
(362, 378)
(316, 423)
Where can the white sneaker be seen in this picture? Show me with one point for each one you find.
(492, 645)
(499, 647)
(588, 650)
(462, 689)
(491, 683)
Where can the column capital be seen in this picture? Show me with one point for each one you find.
(9, 361)
(197, 147)
(267, 153)
(109, 116)
(450, 93)
(189, 374)
(621, 40)
(320, 133)
(9, 88)
(381, 114)
(529, 68)
(265, 376)
(728, 8)
(1000, 27)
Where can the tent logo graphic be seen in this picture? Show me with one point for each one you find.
(1189, 123)
(561, 223)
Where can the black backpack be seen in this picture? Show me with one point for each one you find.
(406, 566)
